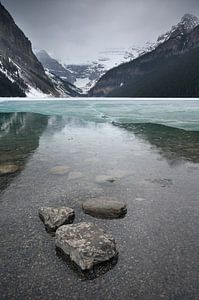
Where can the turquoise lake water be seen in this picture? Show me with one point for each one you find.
(181, 114)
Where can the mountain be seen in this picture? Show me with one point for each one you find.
(65, 88)
(83, 76)
(54, 66)
(20, 71)
(187, 24)
(87, 74)
(169, 70)
(8, 85)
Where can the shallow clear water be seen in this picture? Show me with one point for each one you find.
(150, 149)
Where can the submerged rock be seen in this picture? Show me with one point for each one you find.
(9, 169)
(56, 217)
(104, 208)
(74, 175)
(60, 170)
(86, 244)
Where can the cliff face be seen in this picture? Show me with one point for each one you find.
(16, 46)
(21, 73)
(133, 79)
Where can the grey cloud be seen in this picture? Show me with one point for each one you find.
(76, 30)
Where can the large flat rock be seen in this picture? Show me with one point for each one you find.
(104, 208)
(54, 217)
(86, 244)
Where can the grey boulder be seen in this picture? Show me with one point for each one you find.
(54, 217)
(86, 244)
(104, 208)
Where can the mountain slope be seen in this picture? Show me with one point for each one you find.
(177, 76)
(20, 66)
(158, 73)
(15, 46)
(9, 88)
(54, 66)
(86, 75)
(65, 88)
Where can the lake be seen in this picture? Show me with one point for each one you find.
(151, 151)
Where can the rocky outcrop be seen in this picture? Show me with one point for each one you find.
(86, 244)
(104, 208)
(54, 217)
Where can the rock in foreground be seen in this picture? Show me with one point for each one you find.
(104, 208)
(56, 217)
(86, 244)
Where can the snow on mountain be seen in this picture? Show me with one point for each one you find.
(111, 58)
(84, 76)
(187, 23)
(54, 66)
(170, 70)
(64, 88)
(87, 74)
(21, 73)
(14, 74)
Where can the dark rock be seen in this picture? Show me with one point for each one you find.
(54, 217)
(105, 208)
(86, 244)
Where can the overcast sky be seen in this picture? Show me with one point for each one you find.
(77, 30)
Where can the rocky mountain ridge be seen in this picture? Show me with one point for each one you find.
(130, 76)
(19, 65)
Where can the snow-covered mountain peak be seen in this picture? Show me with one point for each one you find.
(189, 21)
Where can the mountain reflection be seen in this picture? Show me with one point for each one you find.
(173, 144)
(19, 138)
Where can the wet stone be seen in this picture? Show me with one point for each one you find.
(74, 175)
(53, 217)
(105, 208)
(9, 169)
(85, 244)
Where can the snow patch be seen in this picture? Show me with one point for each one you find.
(36, 93)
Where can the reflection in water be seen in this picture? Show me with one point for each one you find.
(174, 144)
(19, 138)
